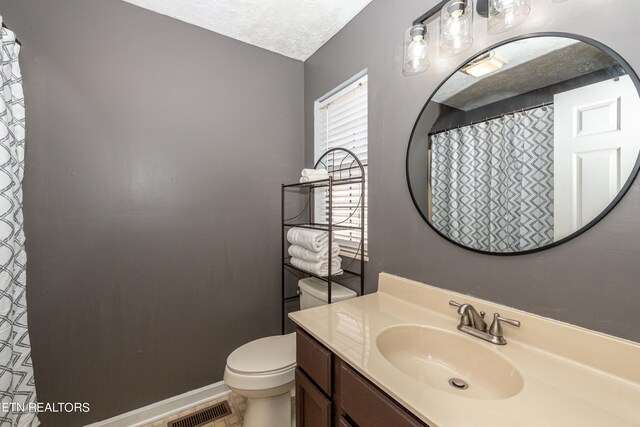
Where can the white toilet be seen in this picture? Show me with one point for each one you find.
(264, 370)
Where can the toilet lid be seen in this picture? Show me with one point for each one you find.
(264, 355)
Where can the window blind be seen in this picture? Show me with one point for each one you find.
(341, 121)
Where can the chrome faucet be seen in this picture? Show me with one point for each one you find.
(473, 323)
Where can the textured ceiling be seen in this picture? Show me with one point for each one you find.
(533, 63)
(294, 28)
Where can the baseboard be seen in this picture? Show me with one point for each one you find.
(164, 408)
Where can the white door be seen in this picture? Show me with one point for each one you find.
(596, 130)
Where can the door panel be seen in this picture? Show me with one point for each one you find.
(596, 130)
(367, 406)
(598, 118)
(313, 409)
(597, 179)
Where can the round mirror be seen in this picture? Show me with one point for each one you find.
(526, 145)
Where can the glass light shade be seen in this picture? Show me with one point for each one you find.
(506, 14)
(456, 26)
(416, 50)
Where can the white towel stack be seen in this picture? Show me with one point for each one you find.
(309, 251)
(313, 256)
(309, 175)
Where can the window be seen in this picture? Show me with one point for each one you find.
(341, 121)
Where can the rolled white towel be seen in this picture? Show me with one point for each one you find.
(313, 178)
(314, 172)
(314, 240)
(307, 255)
(320, 268)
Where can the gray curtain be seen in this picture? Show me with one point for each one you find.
(17, 387)
(492, 182)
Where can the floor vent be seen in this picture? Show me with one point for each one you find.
(212, 413)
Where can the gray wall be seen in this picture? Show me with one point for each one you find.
(591, 281)
(155, 154)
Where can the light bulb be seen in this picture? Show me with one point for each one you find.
(456, 26)
(453, 30)
(508, 17)
(506, 14)
(416, 50)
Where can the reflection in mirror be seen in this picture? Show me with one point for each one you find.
(526, 145)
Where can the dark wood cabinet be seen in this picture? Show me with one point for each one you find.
(366, 405)
(315, 360)
(329, 392)
(313, 408)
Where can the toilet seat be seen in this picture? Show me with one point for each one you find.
(266, 363)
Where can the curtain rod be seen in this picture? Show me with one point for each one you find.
(544, 104)
(7, 28)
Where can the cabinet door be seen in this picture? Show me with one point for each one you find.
(313, 409)
(315, 360)
(367, 406)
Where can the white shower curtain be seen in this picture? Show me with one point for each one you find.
(17, 386)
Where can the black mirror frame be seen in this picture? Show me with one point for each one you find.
(623, 191)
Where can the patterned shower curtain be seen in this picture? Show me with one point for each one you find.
(17, 386)
(492, 182)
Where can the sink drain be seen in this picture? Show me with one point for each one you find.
(458, 383)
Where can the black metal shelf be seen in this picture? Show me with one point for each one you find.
(336, 178)
(324, 227)
(326, 182)
(346, 274)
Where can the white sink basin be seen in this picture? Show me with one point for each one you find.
(434, 357)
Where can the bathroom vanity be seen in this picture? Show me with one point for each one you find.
(523, 148)
(330, 392)
(391, 358)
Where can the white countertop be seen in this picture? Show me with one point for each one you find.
(572, 376)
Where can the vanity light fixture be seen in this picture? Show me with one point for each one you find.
(416, 50)
(456, 27)
(506, 14)
(484, 64)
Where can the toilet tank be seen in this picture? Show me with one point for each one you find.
(313, 292)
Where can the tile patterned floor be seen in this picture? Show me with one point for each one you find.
(237, 404)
